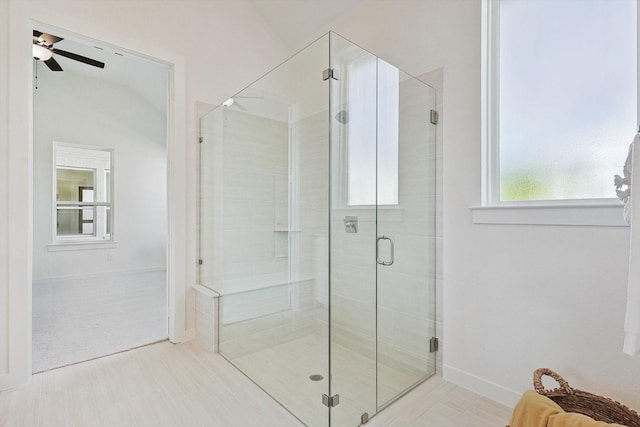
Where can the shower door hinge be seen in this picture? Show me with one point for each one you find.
(434, 117)
(332, 401)
(330, 73)
(433, 344)
(201, 140)
(199, 262)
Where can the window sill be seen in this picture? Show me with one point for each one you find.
(587, 214)
(81, 246)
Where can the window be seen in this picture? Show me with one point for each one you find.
(561, 98)
(373, 91)
(82, 188)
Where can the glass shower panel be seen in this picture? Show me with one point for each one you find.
(210, 200)
(264, 229)
(406, 232)
(353, 232)
(317, 231)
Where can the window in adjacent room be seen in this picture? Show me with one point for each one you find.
(83, 208)
(562, 98)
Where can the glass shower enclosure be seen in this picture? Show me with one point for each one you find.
(317, 230)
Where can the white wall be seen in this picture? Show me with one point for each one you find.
(200, 40)
(4, 198)
(515, 297)
(77, 109)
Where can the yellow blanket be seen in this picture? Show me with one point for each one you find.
(534, 410)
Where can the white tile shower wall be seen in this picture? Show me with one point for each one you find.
(308, 254)
(353, 285)
(255, 150)
(310, 201)
(244, 159)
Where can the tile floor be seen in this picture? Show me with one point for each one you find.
(182, 385)
(284, 371)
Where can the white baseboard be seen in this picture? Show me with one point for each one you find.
(481, 386)
(10, 381)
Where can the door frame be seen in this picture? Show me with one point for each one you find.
(174, 325)
(17, 224)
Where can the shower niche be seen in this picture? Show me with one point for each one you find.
(317, 232)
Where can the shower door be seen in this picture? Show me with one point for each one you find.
(405, 233)
(382, 236)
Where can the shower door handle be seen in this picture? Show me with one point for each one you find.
(378, 260)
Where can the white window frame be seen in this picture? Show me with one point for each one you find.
(598, 212)
(82, 157)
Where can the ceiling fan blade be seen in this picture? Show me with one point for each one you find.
(80, 58)
(237, 104)
(53, 64)
(45, 39)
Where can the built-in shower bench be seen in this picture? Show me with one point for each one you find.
(246, 298)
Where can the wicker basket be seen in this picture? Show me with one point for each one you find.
(572, 400)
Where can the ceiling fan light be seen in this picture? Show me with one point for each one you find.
(229, 102)
(41, 53)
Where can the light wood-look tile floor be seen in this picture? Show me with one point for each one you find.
(181, 385)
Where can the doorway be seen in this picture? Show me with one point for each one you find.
(100, 232)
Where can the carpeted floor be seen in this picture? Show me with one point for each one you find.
(80, 319)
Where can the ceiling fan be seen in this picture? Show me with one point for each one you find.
(43, 50)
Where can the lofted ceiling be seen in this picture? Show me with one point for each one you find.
(295, 22)
(299, 22)
(146, 78)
